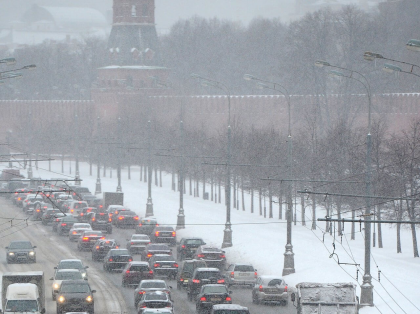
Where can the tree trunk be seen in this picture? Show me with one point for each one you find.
(145, 173)
(190, 185)
(242, 193)
(220, 190)
(353, 225)
(302, 205)
(313, 227)
(280, 202)
(62, 163)
(252, 199)
(141, 172)
(129, 172)
(211, 188)
(90, 166)
(198, 187)
(327, 224)
(234, 191)
(380, 245)
(160, 177)
(204, 184)
(260, 200)
(399, 228)
(339, 216)
(265, 208)
(270, 203)
(156, 177)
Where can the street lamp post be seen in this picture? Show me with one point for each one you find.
(119, 189)
(227, 233)
(366, 297)
(391, 68)
(289, 260)
(98, 187)
(149, 204)
(77, 177)
(30, 174)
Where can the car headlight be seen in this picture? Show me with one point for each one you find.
(56, 286)
(32, 253)
(84, 274)
(61, 299)
(11, 253)
(89, 298)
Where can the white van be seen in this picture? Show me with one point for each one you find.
(23, 297)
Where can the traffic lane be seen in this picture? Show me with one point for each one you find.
(51, 248)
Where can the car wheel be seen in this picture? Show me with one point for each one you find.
(53, 296)
(255, 299)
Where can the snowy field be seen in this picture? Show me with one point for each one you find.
(261, 241)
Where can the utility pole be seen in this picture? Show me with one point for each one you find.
(98, 187)
(149, 205)
(119, 189)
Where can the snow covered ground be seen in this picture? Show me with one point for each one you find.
(261, 241)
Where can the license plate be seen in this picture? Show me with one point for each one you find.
(215, 299)
(166, 266)
(185, 280)
(243, 275)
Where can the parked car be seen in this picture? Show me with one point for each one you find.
(20, 251)
(126, 219)
(100, 221)
(101, 248)
(77, 229)
(73, 264)
(135, 272)
(201, 277)
(270, 289)
(137, 243)
(116, 259)
(65, 224)
(213, 256)
(154, 300)
(241, 274)
(186, 271)
(75, 295)
(187, 247)
(88, 238)
(164, 264)
(146, 225)
(164, 235)
(155, 248)
(148, 285)
(212, 294)
(49, 215)
(63, 274)
(229, 308)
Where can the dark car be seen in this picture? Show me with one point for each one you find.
(201, 277)
(126, 219)
(150, 286)
(39, 209)
(113, 210)
(229, 308)
(75, 295)
(73, 264)
(155, 248)
(100, 221)
(210, 295)
(186, 271)
(163, 235)
(56, 220)
(63, 198)
(82, 213)
(101, 248)
(187, 247)
(20, 251)
(88, 239)
(164, 264)
(146, 225)
(65, 224)
(48, 215)
(79, 191)
(135, 272)
(154, 300)
(116, 259)
(213, 256)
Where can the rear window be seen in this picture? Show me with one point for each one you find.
(207, 274)
(154, 284)
(231, 312)
(120, 252)
(275, 282)
(148, 222)
(157, 247)
(244, 268)
(164, 258)
(193, 241)
(139, 268)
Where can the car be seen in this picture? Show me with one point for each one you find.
(137, 243)
(187, 247)
(18, 196)
(74, 206)
(201, 277)
(157, 299)
(213, 256)
(115, 209)
(63, 274)
(48, 215)
(147, 225)
(75, 295)
(65, 224)
(164, 234)
(82, 213)
(100, 221)
(158, 311)
(270, 289)
(39, 209)
(186, 270)
(101, 247)
(28, 202)
(56, 220)
(116, 259)
(89, 198)
(155, 248)
(212, 294)
(148, 285)
(79, 191)
(135, 272)
(126, 219)
(88, 239)
(229, 308)
(164, 264)
(72, 264)
(62, 198)
(241, 274)
(20, 251)
(77, 229)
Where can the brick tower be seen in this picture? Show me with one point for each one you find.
(133, 39)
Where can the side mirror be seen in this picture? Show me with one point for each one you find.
(293, 297)
(93, 291)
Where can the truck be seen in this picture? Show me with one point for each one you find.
(113, 198)
(23, 292)
(325, 298)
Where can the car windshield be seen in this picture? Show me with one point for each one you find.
(164, 258)
(71, 275)
(21, 306)
(160, 297)
(70, 265)
(211, 250)
(207, 274)
(154, 284)
(140, 237)
(215, 289)
(128, 213)
(193, 242)
(20, 245)
(244, 268)
(75, 288)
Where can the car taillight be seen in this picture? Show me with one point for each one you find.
(110, 260)
(132, 243)
(181, 279)
(203, 299)
(221, 281)
(260, 288)
(127, 271)
(121, 217)
(196, 281)
(130, 259)
(200, 255)
(228, 299)
(149, 255)
(97, 247)
(71, 210)
(157, 233)
(141, 292)
(85, 239)
(285, 289)
(81, 214)
(103, 238)
(183, 246)
(232, 274)
(150, 271)
(173, 233)
(93, 219)
(176, 265)
(63, 224)
(38, 210)
(74, 232)
(110, 220)
(136, 217)
(140, 225)
(222, 256)
(156, 265)
(255, 274)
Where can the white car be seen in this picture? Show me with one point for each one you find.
(241, 274)
(64, 274)
(137, 243)
(77, 230)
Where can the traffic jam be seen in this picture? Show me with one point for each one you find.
(154, 271)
